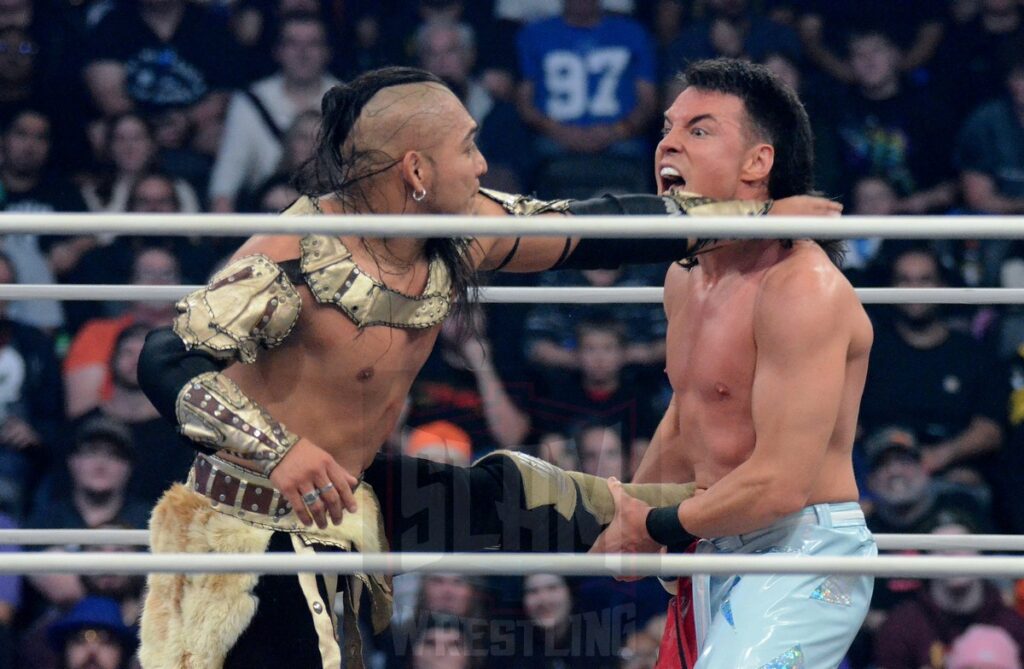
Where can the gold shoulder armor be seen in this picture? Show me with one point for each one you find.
(524, 205)
(697, 205)
(248, 304)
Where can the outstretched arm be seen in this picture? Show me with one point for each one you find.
(535, 254)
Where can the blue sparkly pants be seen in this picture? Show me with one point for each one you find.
(785, 621)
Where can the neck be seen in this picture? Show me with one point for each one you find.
(19, 183)
(304, 88)
(97, 507)
(924, 335)
(736, 256)
(883, 91)
(129, 405)
(600, 385)
(396, 250)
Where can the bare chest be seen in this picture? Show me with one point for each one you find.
(711, 353)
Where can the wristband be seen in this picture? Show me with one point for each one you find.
(664, 526)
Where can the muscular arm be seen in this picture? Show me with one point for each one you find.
(983, 435)
(802, 337)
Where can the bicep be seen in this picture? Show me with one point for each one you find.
(524, 254)
(798, 385)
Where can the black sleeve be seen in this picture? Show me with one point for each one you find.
(429, 506)
(613, 253)
(166, 366)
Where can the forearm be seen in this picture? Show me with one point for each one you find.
(550, 354)
(982, 436)
(747, 499)
(505, 421)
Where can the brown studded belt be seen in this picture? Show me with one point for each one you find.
(243, 490)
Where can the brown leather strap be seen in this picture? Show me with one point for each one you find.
(225, 488)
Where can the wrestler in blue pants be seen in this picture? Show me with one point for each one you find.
(785, 621)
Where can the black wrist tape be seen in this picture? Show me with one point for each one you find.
(664, 526)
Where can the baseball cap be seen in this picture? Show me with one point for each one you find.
(890, 439)
(101, 428)
(91, 612)
(984, 647)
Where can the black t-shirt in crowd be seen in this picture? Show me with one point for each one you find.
(905, 139)
(935, 392)
(51, 193)
(198, 58)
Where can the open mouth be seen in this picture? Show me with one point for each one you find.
(671, 180)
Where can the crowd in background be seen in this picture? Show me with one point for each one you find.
(179, 106)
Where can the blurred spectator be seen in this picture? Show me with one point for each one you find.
(449, 51)
(914, 26)
(100, 463)
(274, 196)
(460, 383)
(906, 499)
(18, 88)
(600, 393)
(165, 459)
(260, 117)
(161, 55)
(453, 596)
(884, 128)
(601, 451)
(640, 651)
(732, 29)
(919, 633)
(871, 196)
(441, 644)
(124, 589)
(10, 600)
(940, 383)
(27, 183)
(440, 441)
(990, 151)
(556, 638)
(588, 82)
(559, 450)
(551, 340)
(528, 11)
(87, 379)
(984, 647)
(132, 153)
(31, 404)
(979, 53)
(92, 636)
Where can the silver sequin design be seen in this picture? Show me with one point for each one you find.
(791, 659)
(833, 591)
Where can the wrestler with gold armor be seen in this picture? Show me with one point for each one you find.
(330, 333)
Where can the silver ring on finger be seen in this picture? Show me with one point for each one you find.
(310, 498)
(327, 488)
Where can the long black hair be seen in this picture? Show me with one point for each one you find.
(344, 169)
(778, 117)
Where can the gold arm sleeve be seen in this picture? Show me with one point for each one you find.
(248, 304)
(524, 205)
(213, 411)
(697, 205)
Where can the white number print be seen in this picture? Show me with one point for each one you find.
(566, 77)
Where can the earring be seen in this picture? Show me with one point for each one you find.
(419, 195)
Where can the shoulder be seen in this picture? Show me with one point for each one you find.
(806, 287)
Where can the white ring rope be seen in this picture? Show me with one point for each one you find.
(1007, 543)
(721, 227)
(511, 295)
(492, 564)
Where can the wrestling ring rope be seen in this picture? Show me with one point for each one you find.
(909, 227)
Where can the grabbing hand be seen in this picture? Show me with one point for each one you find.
(805, 205)
(307, 468)
(627, 533)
